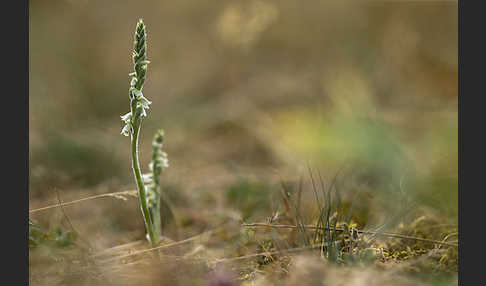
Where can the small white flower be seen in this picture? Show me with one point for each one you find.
(126, 118)
(127, 129)
(144, 102)
(147, 178)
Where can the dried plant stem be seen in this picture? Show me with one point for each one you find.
(113, 195)
(395, 235)
(269, 253)
(206, 233)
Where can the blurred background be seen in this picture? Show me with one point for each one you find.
(250, 94)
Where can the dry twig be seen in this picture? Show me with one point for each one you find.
(387, 234)
(118, 195)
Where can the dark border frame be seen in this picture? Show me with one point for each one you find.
(15, 123)
(15, 139)
(471, 173)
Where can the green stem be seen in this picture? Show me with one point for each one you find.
(140, 185)
(156, 213)
(156, 177)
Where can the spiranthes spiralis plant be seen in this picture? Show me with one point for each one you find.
(133, 119)
(157, 202)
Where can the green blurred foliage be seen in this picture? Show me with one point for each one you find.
(53, 237)
(250, 198)
(83, 164)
